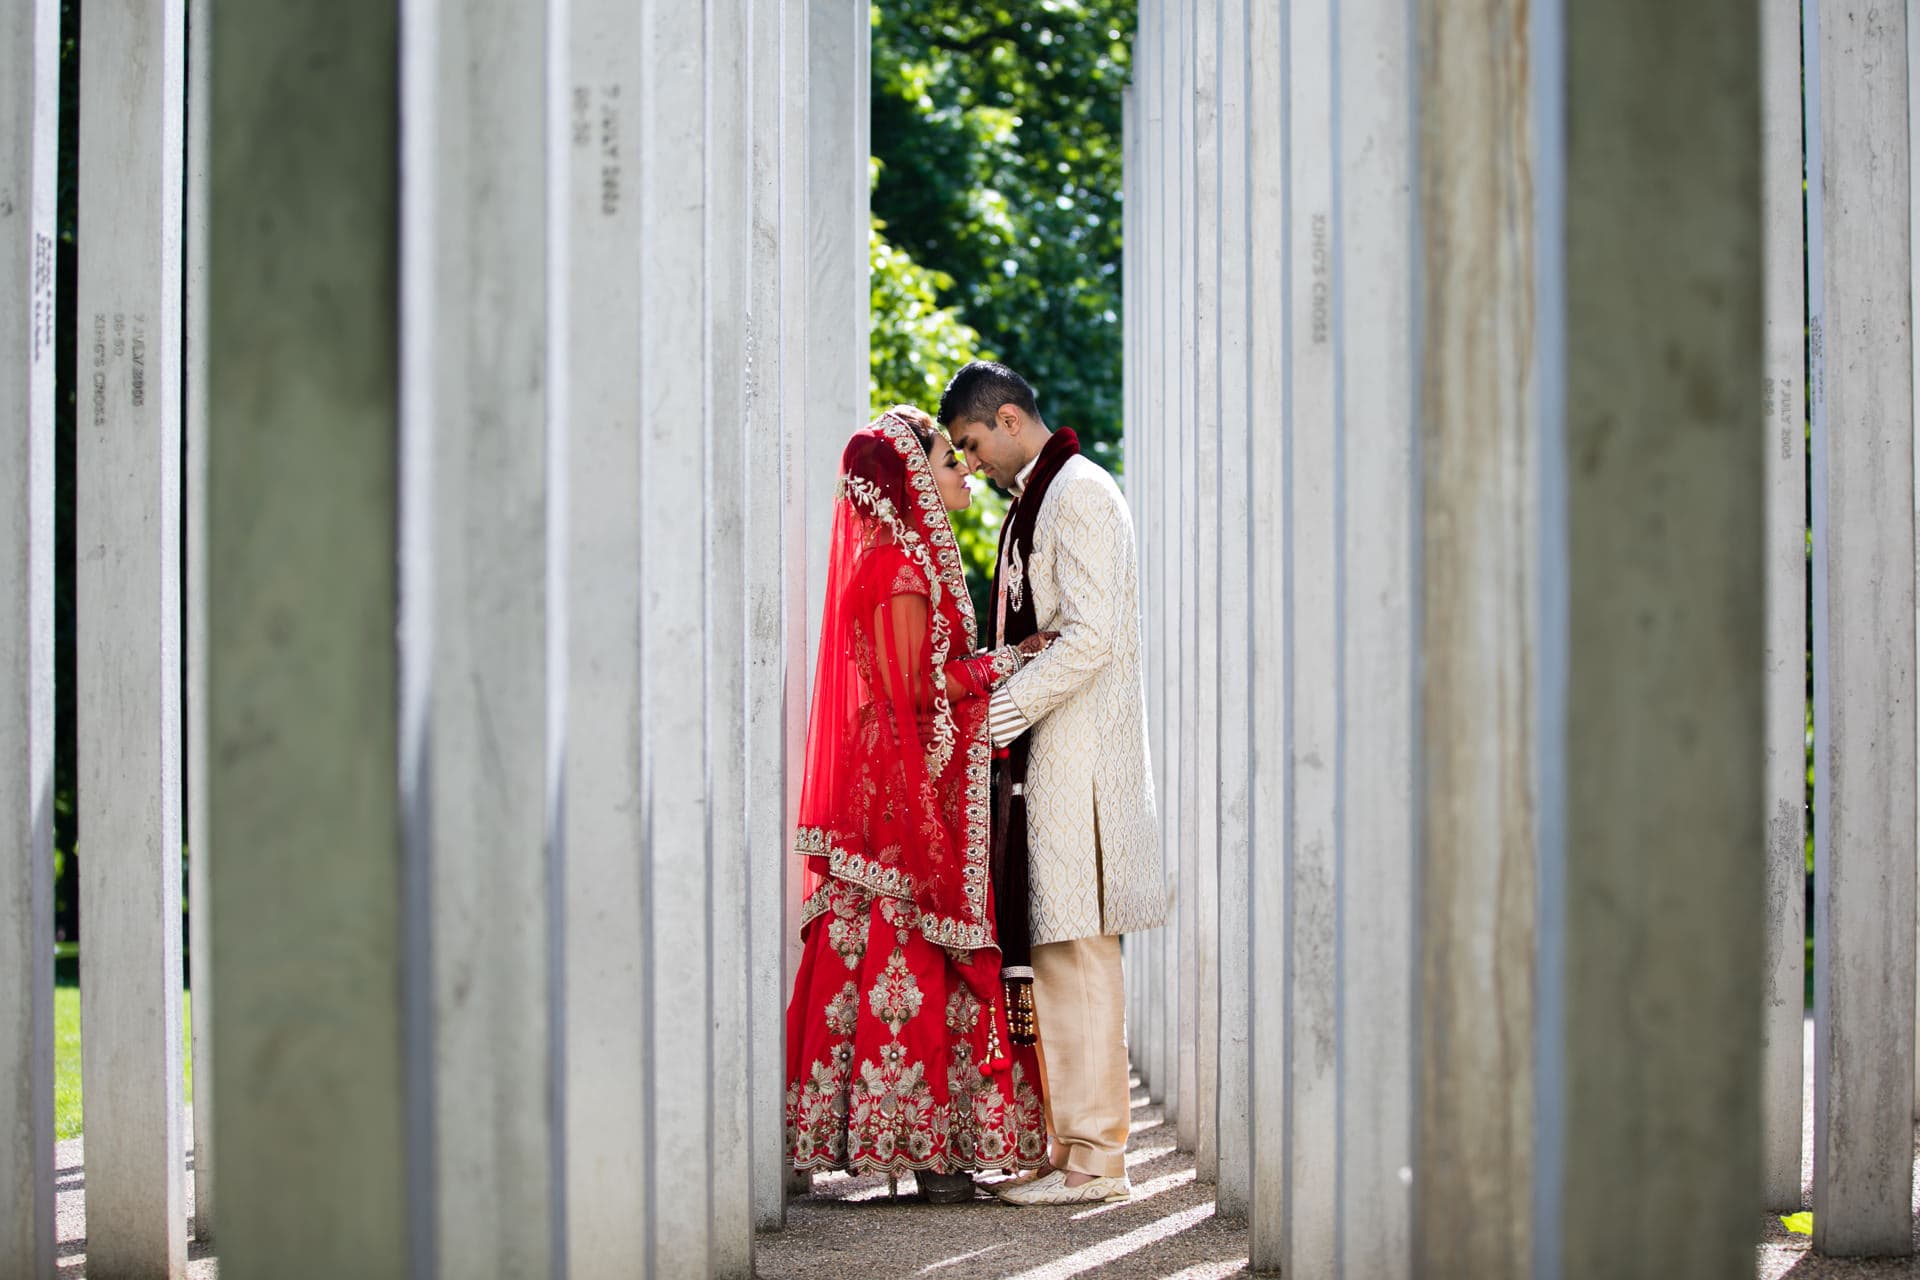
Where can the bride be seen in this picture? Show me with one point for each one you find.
(898, 1050)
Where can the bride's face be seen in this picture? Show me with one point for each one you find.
(950, 474)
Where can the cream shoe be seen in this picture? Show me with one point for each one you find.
(1053, 1189)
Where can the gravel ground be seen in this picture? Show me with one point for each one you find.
(70, 1214)
(847, 1228)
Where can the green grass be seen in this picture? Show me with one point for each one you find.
(66, 1057)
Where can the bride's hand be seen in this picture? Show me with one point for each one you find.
(1034, 644)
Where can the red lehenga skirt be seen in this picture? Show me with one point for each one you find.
(886, 1044)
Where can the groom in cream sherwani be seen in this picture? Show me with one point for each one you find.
(1082, 782)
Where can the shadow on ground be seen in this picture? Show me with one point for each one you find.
(848, 1228)
(70, 1214)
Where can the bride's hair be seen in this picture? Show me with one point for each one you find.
(919, 421)
(875, 461)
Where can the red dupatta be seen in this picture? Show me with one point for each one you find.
(895, 796)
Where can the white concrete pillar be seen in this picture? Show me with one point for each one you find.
(838, 297)
(1783, 434)
(675, 796)
(1183, 427)
(1649, 868)
(1174, 277)
(729, 93)
(1239, 437)
(1593, 630)
(319, 923)
(1203, 616)
(1913, 235)
(798, 616)
(1138, 486)
(478, 430)
(1129, 440)
(607, 956)
(127, 586)
(765, 498)
(29, 107)
(1859, 310)
(1141, 436)
(1144, 494)
(1270, 700)
(1373, 320)
(1316, 594)
(1485, 759)
(199, 841)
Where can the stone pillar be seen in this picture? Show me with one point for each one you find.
(1859, 309)
(837, 292)
(825, 301)
(675, 797)
(1485, 758)
(1654, 301)
(1171, 417)
(1203, 621)
(1314, 599)
(609, 1062)
(1237, 412)
(1373, 329)
(729, 94)
(317, 915)
(768, 660)
(199, 841)
(1143, 498)
(1592, 605)
(29, 106)
(1783, 433)
(479, 429)
(1269, 579)
(127, 589)
(799, 619)
(1183, 479)
(1133, 428)
(1913, 236)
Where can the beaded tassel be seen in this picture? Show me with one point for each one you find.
(1021, 1022)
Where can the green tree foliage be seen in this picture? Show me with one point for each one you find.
(915, 345)
(997, 126)
(915, 342)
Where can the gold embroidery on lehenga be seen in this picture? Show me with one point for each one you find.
(843, 1011)
(892, 1101)
(895, 997)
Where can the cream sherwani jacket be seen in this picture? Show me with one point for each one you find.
(1091, 829)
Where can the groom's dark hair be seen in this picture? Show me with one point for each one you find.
(976, 393)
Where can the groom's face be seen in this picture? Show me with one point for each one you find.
(991, 449)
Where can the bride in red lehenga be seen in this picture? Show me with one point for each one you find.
(898, 1051)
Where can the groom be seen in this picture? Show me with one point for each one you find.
(1076, 846)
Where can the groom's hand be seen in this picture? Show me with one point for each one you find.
(1035, 643)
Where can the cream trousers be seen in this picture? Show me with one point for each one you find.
(1079, 1001)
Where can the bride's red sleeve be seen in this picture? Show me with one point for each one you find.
(905, 618)
(975, 677)
(904, 818)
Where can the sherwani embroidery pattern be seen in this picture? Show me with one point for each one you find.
(1084, 703)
